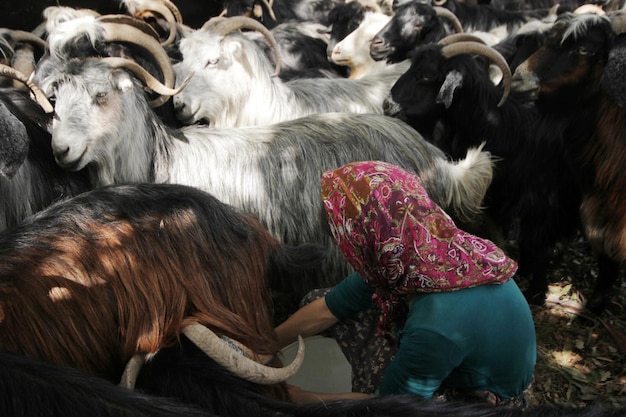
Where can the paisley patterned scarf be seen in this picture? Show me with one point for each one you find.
(402, 242)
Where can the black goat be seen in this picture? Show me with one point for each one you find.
(566, 77)
(34, 388)
(533, 196)
(486, 18)
(414, 23)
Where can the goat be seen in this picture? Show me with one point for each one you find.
(233, 80)
(93, 281)
(103, 122)
(414, 23)
(532, 197)
(353, 50)
(343, 19)
(29, 177)
(302, 50)
(565, 78)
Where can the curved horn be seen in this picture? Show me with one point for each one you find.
(451, 17)
(40, 97)
(171, 14)
(29, 37)
(589, 9)
(459, 48)
(224, 26)
(618, 21)
(164, 91)
(131, 371)
(238, 364)
(460, 37)
(117, 30)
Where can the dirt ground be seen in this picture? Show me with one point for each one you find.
(580, 362)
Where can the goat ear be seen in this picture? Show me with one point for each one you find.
(14, 147)
(123, 81)
(453, 80)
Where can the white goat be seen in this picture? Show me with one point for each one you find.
(103, 122)
(353, 51)
(233, 86)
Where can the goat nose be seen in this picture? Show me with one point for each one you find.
(60, 151)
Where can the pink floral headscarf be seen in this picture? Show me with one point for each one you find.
(402, 242)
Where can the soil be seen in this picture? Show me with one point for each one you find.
(581, 358)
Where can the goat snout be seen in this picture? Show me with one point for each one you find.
(525, 83)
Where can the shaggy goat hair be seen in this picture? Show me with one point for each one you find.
(93, 280)
(34, 388)
(104, 123)
(232, 86)
(566, 78)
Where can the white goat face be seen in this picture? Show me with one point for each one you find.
(89, 113)
(222, 74)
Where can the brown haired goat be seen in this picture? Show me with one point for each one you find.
(122, 270)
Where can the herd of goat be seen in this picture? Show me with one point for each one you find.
(160, 206)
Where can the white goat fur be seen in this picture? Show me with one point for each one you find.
(353, 51)
(232, 86)
(103, 122)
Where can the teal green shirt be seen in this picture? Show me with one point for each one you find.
(480, 338)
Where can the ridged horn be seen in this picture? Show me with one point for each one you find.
(131, 371)
(28, 37)
(164, 91)
(460, 37)
(237, 363)
(170, 13)
(40, 97)
(223, 26)
(118, 30)
(450, 17)
(459, 48)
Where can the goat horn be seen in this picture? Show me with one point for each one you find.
(131, 371)
(148, 79)
(117, 30)
(40, 97)
(460, 37)
(451, 17)
(224, 26)
(618, 21)
(237, 363)
(29, 37)
(123, 19)
(458, 48)
(589, 9)
(172, 16)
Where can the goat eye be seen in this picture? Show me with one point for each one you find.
(101, 98)
(583, 51)
(212, 62)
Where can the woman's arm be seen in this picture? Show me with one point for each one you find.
(309, 320)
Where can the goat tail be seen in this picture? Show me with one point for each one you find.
(470, 178)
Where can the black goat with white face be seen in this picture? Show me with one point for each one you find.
(414, 23)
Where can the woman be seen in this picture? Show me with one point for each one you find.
(465, 329)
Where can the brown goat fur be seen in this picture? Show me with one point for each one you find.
(120, 270)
